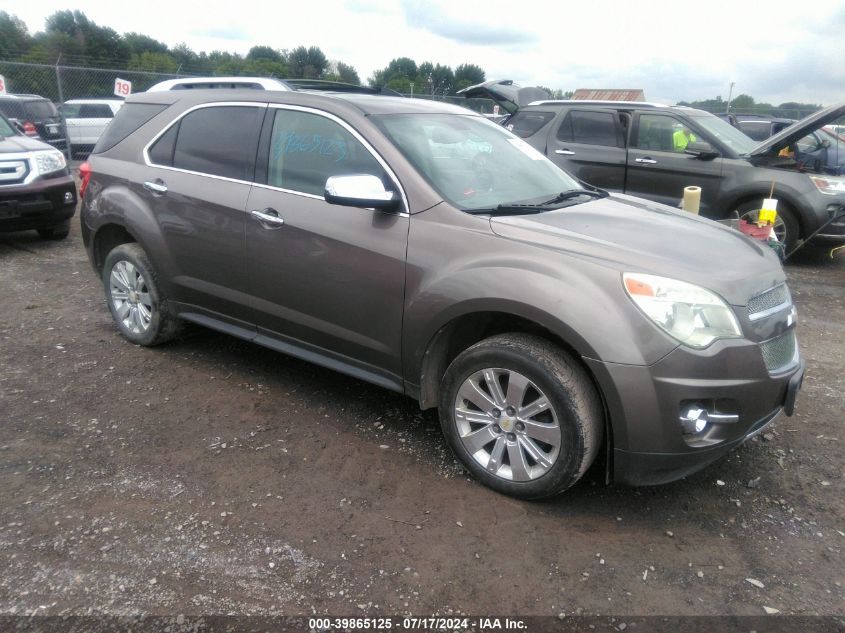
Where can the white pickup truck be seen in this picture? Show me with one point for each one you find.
(86, 119)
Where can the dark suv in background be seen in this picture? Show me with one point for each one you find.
(420, 247)
(37, 116)
(36, 188)
(654, 151)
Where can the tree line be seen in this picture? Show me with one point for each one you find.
(76, 40)
(745, 104)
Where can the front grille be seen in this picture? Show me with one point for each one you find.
(779, 352)
(13, 172)
(766, 301)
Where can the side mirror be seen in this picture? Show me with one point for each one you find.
(702, 150)
(363, 191)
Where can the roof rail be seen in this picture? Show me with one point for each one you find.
(633, 104)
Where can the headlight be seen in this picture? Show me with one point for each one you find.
(693, 315)
(829, 185)
(49, 161)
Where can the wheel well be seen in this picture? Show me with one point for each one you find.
(784, 202)
(464, 331)
(106, 238)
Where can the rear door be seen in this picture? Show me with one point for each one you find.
(328, 281)
(200, 171)
(589, 143)
(658, 168)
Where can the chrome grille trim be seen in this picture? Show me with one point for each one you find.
(767, 303)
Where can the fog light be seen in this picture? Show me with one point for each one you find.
(68, 196)
(694, 420)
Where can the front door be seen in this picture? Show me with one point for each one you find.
(327, 281)
(659, 169)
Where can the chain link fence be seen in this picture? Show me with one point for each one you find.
(60, 82)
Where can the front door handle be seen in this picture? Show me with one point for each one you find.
(156, 186)
(565, 152)
(269, 218)
(647, 161)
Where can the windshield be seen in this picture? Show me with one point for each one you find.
(726, 134)
(473, 163)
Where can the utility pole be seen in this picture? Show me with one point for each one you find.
(730, 92)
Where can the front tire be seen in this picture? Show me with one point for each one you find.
(521, 414)
(139, 309)
(786, 226)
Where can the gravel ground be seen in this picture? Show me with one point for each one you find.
(211, 476)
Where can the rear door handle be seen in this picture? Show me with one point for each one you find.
(156, 186)
(565, 152)
(647, 161)
(269, 218)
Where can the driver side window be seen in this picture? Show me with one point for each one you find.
(306, 149)
(663, 133)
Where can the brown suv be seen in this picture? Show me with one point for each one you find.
(420, 247)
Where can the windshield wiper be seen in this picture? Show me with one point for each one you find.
(540, 207)
(574, 193)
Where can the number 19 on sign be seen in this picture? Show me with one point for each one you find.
(122, 88)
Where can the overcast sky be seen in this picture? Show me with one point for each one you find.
(674, 49)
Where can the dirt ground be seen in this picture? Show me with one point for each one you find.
(213, 476)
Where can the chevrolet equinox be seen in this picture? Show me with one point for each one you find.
(417, 246)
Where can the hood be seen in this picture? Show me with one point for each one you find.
(21, 143)
(799, 130)
(506, 93)
(634, 235)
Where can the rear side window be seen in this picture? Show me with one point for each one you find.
(94, 111)
(591, 128)
(41, 109)
(12, 109)
(218, 140)
(305, 149)
(128, 119)
(525, 124)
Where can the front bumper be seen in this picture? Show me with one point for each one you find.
(42, 203)
(644, 404)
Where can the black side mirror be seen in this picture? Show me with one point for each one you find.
(702, 150)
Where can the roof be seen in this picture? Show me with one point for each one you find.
(598, 102)
(612, 94)
(365, 103)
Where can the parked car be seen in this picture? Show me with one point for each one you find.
(417, 246)
(639, 149)
(823, 152)
(757, 126)
(38, 117)
(264, 83)
(85, 120)
(36, 188)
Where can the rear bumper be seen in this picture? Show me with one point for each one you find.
(40, 204)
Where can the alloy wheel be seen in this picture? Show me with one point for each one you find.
(507, 424)
(130, 297)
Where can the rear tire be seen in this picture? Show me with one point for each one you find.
(139, 308)
(521, 414)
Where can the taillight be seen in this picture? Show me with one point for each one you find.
(29, 128)
(84, 177)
